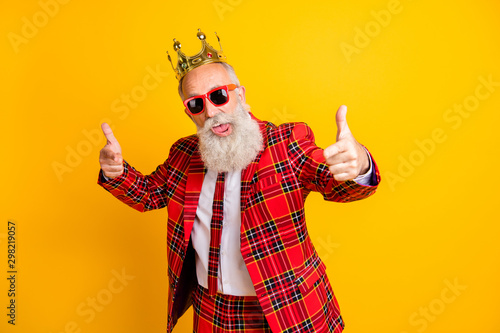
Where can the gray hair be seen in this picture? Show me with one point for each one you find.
(230, 71)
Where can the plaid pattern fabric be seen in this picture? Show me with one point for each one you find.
(215, 234)
(287, 273)
(226, 313)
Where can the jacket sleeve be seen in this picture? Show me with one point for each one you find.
(149, 192)
(308, 161)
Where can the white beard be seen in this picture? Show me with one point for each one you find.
(235, 151)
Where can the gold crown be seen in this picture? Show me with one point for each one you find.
(207, 55)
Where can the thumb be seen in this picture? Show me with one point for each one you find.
(110, 137)
(342, 127)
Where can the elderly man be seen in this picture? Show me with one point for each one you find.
(238, 246)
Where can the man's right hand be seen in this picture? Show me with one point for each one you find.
(110, 158)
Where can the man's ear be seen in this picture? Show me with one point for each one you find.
(241, 93)
(242, 96)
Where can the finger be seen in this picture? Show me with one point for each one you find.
(341, 119)
(342, 172)
(108, 133)
(112, 168)
(112, 175)
(331, 151)
(340, 168)
(339, 159)
(108, 156)
(107, 153)
(109, 163)
(337, 169)
(118, 158)
(343, 177)
(335, 149)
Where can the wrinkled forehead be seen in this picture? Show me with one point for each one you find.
(203, 79)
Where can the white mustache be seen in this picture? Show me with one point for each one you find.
(218, 119)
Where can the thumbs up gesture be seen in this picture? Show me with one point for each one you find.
(110, 158)
(346, 158)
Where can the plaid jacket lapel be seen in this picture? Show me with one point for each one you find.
(248, 173)
(194, 183)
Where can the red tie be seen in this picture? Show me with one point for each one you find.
(216, 231)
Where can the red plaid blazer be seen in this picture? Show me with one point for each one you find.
(287, 273)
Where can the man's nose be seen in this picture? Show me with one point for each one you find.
(210, 109)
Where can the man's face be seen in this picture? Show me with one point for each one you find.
(200, 81)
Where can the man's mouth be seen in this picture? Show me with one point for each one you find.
(222, 129)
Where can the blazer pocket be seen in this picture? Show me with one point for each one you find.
(267, 182)
(308, 278)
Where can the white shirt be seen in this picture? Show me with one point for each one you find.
(233, 277)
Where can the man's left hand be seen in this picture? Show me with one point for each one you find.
(346, 158)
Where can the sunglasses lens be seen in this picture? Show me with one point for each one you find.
(195, 105)
(219, 97)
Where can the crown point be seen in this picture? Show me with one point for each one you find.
(200, 35)
(177, 45)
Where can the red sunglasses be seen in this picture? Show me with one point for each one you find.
(218, 97)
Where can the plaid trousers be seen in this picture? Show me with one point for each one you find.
(227, 313)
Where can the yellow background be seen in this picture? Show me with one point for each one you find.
(391, 259)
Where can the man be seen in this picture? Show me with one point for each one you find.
(238, 246)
